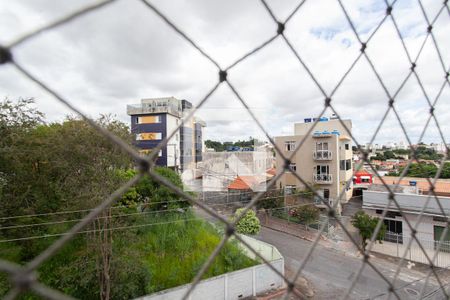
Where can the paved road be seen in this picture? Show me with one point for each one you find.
(331, 272)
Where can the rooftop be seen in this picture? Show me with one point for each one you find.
(441, 187)
(147, 106)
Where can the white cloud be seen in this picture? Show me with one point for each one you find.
(123, 52)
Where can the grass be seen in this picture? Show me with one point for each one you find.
(145, 260)
(175, 252)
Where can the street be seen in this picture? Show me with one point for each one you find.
(331, 272)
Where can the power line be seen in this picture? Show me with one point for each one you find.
(123, 215)
(127, 206)
(132, 226)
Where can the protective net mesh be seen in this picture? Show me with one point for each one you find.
(23, 277)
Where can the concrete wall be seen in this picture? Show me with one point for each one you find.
(173, 145)
(234, 285)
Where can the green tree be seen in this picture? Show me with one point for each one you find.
(366, 225)
(271, 199)
(248, 224)
(445, 171)
(422, 169)
(389, 154)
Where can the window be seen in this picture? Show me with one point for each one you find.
(148, 119)
(289, 145)
(394, 231)
(438, 231)
(322, 169)
(345, 165)
(293, 167)
(347, 146)
(365, 180)
(322, 146)
(148, 136)
(289, 189)
(149, 151)
(348, 164)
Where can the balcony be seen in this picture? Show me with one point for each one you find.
(322, 155)
(323, 178)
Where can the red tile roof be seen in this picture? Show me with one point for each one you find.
(246, 182)
(272, 171)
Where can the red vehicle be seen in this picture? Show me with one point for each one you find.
(362, 178)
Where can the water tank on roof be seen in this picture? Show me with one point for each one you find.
(323, 119)
(412, 183)
(308, 120)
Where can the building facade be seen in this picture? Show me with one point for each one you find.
(431, 225)
(324, 160)
(154, 119)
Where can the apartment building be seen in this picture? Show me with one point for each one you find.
(154, 119)
(324, 160)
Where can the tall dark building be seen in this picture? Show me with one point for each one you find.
(155, 118)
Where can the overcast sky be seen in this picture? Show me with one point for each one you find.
(124, 52)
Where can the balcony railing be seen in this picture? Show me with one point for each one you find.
(322, 178)
(322, 155)
(140, 109)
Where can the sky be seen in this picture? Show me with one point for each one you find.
(123, 52)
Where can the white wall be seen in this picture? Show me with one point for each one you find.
(173, 152)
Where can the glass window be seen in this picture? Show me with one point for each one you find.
(289, 189)
(348, 164)
(321, 146)
(289, 145)
(148, 136)
(148, 119)
(347, 146)
(293, 167)
(323, 169)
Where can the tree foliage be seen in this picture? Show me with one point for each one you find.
(48, 168)
(366, 225)
(249, 223)
(219, 146)
(424, 170)
(271, 199)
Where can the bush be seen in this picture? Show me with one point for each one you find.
(366, 225)
(248, 224)
(306, 214)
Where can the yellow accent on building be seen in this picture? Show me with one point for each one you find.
(148, 136)
(149, 119)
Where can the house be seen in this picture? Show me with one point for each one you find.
(429, 230)
(324, 159)
(220, 169)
